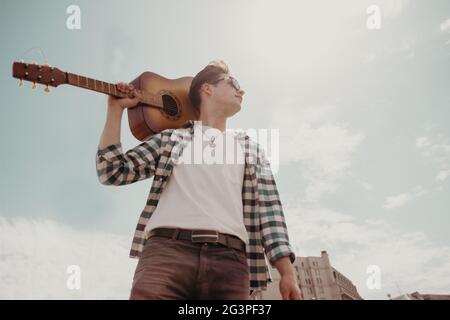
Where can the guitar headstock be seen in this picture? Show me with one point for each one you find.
(43, 74)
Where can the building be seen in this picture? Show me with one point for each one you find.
(317, 279)
(417, 296)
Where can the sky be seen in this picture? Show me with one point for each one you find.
(361, 108)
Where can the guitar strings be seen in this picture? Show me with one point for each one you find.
(44, 56)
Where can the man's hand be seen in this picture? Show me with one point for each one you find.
(288, 283)
(123, 103)
(289, 288)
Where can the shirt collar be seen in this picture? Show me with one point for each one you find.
(189, 124)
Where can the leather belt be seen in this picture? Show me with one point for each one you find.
(201, 236)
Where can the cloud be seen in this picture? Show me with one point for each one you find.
(419, 191)
(408, 260)
(35, 255)
(442, 175)
(422, 142)
(397, 201)
(400, 200)
(393, 8)
(404, 46)
(370, 57)
(435, 147)
(445, 26)
(321, 146)
(366, 186)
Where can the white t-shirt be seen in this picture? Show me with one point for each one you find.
(205, 190)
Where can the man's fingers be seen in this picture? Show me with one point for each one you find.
(296, 294)
(125, 87)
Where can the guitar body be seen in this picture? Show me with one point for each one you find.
(145, 121)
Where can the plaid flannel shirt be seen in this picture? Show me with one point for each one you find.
(262, 211)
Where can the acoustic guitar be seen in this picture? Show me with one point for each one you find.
(163, 103)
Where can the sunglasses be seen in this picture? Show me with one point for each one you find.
(234, 83)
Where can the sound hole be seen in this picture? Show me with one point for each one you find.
(170, 105)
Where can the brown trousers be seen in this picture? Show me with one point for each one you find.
(180, 269)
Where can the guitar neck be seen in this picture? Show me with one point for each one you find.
(110, 89)
(94, 85)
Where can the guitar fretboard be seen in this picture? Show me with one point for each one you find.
(109, 89)
(93, 84)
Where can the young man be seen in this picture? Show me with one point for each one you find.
(207, 226)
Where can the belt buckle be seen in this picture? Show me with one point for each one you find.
(200, 236)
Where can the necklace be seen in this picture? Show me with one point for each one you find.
(211, 141)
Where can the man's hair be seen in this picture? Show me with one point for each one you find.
(209, 74)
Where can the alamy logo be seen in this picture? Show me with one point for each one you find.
(374, 20)
(73, 22)
(74, 279)
(210, 146)
(374, 280)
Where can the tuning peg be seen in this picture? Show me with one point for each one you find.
(47, 89)
(33, 86)
(21, 83)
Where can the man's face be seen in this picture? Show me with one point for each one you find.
(226, 96)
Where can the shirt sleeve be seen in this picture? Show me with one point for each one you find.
(117, 168)
(274, 231)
